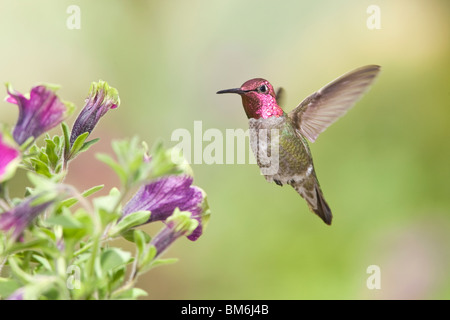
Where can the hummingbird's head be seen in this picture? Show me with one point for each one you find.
(258, 98)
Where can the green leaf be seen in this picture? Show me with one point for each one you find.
(116, 278)
(40, 182)
(78, 144)
(147, 258)
(44, 233)
(34, 150)
(65, 220)
(83, 257)
(129, 235)
(44, 197)
(92, 190)
(107, 217)
(22, 246)
(142, 236)
(8, 286)
(58, 167)
(123, 149)
(163, 162)
(42, 287)
(161, 262)
(88, 144)
(141, 240)
(114, 257)
(43, 157)
(131, 157)
(41, 167)
(51, 151)
(66, 134)
(107, 207)
(57, 141)
(67, 203)
(131, 294)
(117, 168)
(109, 202)
(131, 220)
(71, 201)
(71, 235)
(44, 262)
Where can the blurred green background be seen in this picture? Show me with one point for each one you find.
(384, 167)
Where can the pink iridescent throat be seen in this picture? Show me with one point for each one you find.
(260, 105)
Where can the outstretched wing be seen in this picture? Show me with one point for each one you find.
(318, 111)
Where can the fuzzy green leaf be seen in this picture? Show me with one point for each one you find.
(65, 220)
(132, 220)
(41, 167)
(44, 157)
(131, 294)
(71, 201)
(92, 190)
(129, 235)
(88, 144)
(66, 134)
(140, 238)
(79, 141)
(146, 262)
(8, 286)
(161, 262)
(22, 246)
(50, 150)
(44, 197)
(42, 183)
(44, 262)
(114, 257)
(117, 168)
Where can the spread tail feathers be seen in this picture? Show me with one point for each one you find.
(315, 200)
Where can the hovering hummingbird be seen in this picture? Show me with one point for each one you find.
(310, 118)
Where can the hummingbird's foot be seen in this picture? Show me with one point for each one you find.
(278, 182)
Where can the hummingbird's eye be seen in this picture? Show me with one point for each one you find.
(263, 89)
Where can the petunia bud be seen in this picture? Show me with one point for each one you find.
(101, 98)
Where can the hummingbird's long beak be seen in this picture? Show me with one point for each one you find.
(235, 90)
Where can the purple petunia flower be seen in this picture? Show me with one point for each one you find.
(37, 114)
(101, 98)
(180, 223)
(19, 217)
(162, 196)
(9, 159)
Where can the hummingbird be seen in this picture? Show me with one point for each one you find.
(306, 122)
